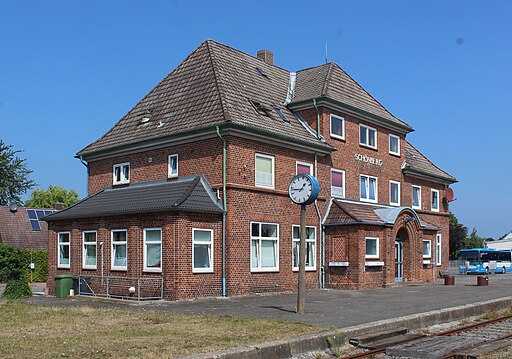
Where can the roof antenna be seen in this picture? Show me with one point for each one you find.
(326, 52)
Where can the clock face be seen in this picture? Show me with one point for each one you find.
(300, 189)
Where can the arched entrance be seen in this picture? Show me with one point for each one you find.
(401, 237)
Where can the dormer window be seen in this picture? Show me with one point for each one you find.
(122, 173)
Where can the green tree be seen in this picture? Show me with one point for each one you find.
(54, 194)
(473, 241)
(11, 261)
(458, 234)
(13, 175)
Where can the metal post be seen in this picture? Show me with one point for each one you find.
(302, 262)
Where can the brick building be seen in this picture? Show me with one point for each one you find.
(241, 128)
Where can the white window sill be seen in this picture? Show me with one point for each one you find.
(338, 264)
(394, 154)
(337, 137)
(264, 270)
(118, 183)
(427, 261)
(308, 269)
(63, 267)
(90, 267)
(172, 176)
(151, 270)
(367, 146)
(413, 207)
(368, 200)
(374, 264)
(394, 204)
(434, 210)
(119, 269)
(202, 270)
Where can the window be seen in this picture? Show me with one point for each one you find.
(90, 249)
(303, 167)
(119, 249)
(416, 197)
(337, 183)
(122, 173)
(153, 250)
(394, 145)
(264, 171)
(337, 127)
(172, 166)
(427, 249)
(202, 250)
(367, 136)
(310, 247)
(264, 246)
(372, 247)
(368, 188)
(438, 249)
(394, 193)
(63, 249)
(434, 203)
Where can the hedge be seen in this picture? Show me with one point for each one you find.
(15, 264)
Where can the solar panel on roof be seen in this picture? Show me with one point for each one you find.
(261, 71)
(40, 214)
(31, 214)
(35, 225)
(48, 212)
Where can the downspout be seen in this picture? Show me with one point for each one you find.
(224, 175)
(317, 118)
(322, 235)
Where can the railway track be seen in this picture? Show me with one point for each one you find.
(466, 342)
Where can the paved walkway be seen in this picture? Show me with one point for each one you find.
(329, 308)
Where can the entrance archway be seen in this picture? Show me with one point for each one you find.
(401, 238)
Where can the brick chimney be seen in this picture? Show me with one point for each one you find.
(58, 206)
(266, 56)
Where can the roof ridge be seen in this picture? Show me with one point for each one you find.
(181, 64)
(218, 85)
(313, 67)
(429, 161)
(327, 80)
(373, 98)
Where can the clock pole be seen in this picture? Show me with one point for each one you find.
(301, 301)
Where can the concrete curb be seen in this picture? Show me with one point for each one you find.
(287, 348)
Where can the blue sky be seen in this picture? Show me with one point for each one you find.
(69, 70)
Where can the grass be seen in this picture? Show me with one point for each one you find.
(30, 330)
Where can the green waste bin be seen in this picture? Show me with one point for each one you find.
(63, 283)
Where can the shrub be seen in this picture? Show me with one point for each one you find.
(11, 261)
(40, 260)
(17, 288)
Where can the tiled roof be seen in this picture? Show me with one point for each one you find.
(416, 162)
(16, 231)
(352, 212)
(214, 85)
(331, 81)
(186, 194)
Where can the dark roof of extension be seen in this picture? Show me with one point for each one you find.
(186, 194)
(213, 86)
(417, 163)
(16, 231)
(331, 81)
(346, 212)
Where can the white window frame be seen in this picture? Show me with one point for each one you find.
(377, 251)
(429, 254)
(419, 197)
(259, 268)
(335, 135)
(343, 183)
(112, 253)
(297, 240)
(123, 180)
(273, 171)
(398, 141)
(169, 169)
(146, 242)
(367, 129)
(432, 191)
(59, 264)
(438, 249)
(310, 165)
(390, 200)
(203, 270)
(84, 249)
(368, 189)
